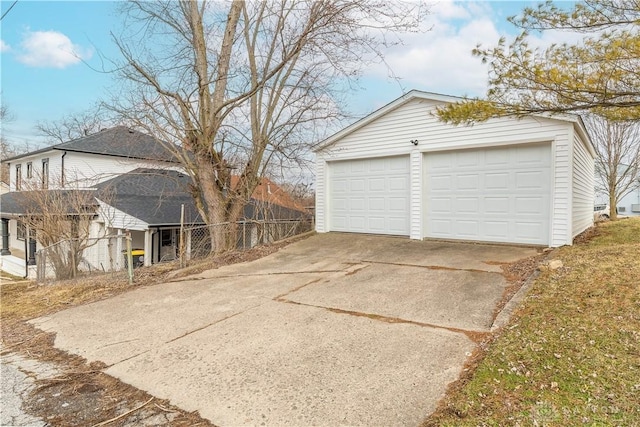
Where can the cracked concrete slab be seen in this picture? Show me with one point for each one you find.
(455, 299)
(133, 323)
(282, 364)
(229, 344)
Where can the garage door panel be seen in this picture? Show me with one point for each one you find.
(530, 180)
(496, 181)
(468, 228)
(441, 182)
(377, 191)
(357, 205)
(528, 205)
(528, 230)
(511, 194)
(496, 205)
(441, 227)
(497, 158)
(377, 204)
(467, 182)
(497, 229)
(398, 183)
(467, 205)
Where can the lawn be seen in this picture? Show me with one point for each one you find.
(571, 353)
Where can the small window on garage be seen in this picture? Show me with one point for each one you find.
(29, 170)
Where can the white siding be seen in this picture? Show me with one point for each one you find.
(86, 170)
(321, 191)
(583, 188)
(391, 134)
(416, 195)
(55, 162)
(115, 218)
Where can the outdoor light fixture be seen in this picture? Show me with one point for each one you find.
(414, 141)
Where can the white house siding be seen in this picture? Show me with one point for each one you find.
(55, 170)
(583, 185)
(86, 170)
(321, 181)
(115, 218)
(391, 134)
(415, 217)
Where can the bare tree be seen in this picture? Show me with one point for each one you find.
(618, 160)
(61, 221)
(76, 125)
(240, 86)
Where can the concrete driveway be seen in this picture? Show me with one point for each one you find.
(337, 329)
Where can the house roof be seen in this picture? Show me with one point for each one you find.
(417, 94)
(154, 196)
(119, 141)
(18, 203)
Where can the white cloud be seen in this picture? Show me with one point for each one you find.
(441, 60)
(4, 47)
(50, 49)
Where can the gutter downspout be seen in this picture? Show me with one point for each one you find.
(62, 175)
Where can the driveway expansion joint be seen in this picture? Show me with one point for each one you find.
(433, 267)
(475, 336)
(212, 323)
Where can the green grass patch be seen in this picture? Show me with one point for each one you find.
(571, 353)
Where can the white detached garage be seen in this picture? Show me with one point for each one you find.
(400, 171)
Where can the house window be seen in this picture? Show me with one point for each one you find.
(29, 170)
(18, 177)
(21, 231)
(45, 173)
(166, 237)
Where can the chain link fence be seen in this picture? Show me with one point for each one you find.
(108, 255)
(73, 258)
(199, 242)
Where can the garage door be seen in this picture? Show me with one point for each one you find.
(496, 195)
(370, 196)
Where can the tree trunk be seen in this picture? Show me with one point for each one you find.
(613, 202)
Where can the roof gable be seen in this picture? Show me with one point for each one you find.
(429, 96)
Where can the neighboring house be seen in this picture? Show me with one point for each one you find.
(400, 171)
(628, 205)
(136, 185)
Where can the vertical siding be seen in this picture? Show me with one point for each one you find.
(583, 185)
(415, 206)
(321, 188)
(391, 134)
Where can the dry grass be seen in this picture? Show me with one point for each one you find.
(571, 354)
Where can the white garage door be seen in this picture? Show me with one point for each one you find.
(496, 195)
(370, 196)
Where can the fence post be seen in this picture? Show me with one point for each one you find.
(129, 257)
(181, 248)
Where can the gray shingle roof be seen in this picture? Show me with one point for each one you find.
(154, 196)
(119, 141)
(30, 202)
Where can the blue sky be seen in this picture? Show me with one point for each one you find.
(41, 80)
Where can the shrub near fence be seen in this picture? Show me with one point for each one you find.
(100, 255)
